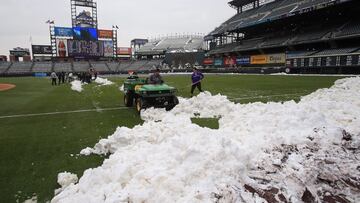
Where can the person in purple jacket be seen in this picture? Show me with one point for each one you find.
(196, 78)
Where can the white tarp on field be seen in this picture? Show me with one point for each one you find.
(306, 151)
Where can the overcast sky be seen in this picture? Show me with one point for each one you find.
(25, 19)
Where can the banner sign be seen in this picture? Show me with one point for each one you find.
(208, 61)
(108, 49)
(243, 60)
(105, 34)
(218, 62)
(259, 59)
(124, 51)
(85, 48)
(229, 61)
(63, 32)
(276, 59)
(41, 49)
(268, 59)
(61, 47)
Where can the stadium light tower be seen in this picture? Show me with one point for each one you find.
(52, 36)
(115, 29)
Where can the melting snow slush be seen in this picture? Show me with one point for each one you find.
(275, 152)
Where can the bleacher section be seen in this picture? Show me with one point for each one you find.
(150, 65)
(63, 67)
(81, 66)
(4, 66)
(20, 68)
(100, 66)
(172, 44)
(42, 67)
(113, 66)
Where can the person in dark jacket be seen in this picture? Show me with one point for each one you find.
(155, 78)
(196, 79)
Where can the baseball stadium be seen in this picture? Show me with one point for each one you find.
(265, 107)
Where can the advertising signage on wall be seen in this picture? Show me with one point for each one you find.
(259, 59)
(229, 61)
(243, 60)
(85, 49)
(108, 49)
(41, 49)
(268, 59)
(105, 34)
(61, 46)
(276, 58)
(208, 61)
(218, 62)
(124, 51)
(63, 32)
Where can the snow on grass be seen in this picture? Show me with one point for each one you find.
(76, 85)
(306, 151)
(103, 81)
(66, 179)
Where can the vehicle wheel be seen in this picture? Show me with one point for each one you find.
(176, 101)
(172, 105)
(128, 100)
(140, 104)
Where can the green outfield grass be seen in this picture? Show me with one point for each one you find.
(34, 149)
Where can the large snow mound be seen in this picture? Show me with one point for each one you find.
(275, 152)
(103, 81)
(76, 85)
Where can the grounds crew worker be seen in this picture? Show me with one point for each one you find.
(53, 77)
(196, 78)
(155, 78)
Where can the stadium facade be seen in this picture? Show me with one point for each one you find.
(263, 36)
(306, 36)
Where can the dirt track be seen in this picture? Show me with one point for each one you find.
(4, 87)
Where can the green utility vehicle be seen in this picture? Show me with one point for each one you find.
(146, 95)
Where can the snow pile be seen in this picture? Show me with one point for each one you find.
(103, 81)
(76, 85)
(278, 152)
(66, 179)
(122, 88)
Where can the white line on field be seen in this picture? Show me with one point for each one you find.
(267, 96)
(62, 112)
(119, 108)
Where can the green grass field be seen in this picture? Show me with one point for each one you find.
(34, 149)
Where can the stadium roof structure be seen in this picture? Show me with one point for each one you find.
(268, 12)
(239, 3)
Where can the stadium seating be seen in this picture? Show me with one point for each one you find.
(173, 44)
(351, 28)
(150, 65)
(42, 67)
(4, 66)
(20, 68)
(81, 66)
(113, 66)
(136, 65)
(124, 65)
(264, 13)
(100, 66)
(148, 47)
(63, 67)
(335, 52)
(194, 44)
